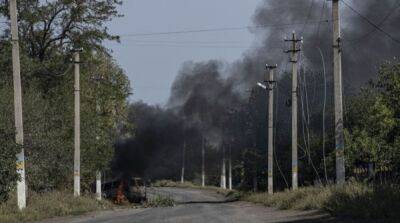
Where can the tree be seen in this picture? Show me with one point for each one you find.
(48, 27)
(8, 149)
(372, 131)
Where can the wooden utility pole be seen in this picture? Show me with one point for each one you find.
(223, 169)
(270, 83)
(183, 161)
(77, 128)
(293, 59)
(337, 74)
(19, 136)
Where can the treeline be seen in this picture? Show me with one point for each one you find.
(48, 31)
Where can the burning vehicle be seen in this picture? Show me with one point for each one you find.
(123, 190)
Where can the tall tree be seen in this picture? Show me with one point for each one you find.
(48, 27)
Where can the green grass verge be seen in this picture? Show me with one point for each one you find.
(160, 201)
(170, 183)
(353, 200)
(188, 184)
(230, 195)
(49, 205)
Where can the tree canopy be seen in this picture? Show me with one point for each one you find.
(48, 30)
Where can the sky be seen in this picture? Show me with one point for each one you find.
(152, 62)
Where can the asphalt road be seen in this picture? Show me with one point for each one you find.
(198, 206)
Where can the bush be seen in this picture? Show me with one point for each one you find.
(8, 173)
(353, 200)
(48, 205)
(188, 184)
(361, 201)
(160, 201)
(8, 148)
(170, 183)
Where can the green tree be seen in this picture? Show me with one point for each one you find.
(48, 29)
(8, 149)
(373, 125)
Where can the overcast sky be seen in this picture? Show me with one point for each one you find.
(152, 62)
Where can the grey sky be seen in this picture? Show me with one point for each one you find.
(152, 62)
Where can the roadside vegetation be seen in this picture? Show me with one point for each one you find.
(48, 102)
(160, 201)
(229, 194)
(49, 205)
(353, 200)
(48, 94)
(188, 184)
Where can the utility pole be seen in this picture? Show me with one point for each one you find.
(230, 167)
(98, 172)
(293, 53)
(183, 160)
(19, 137)
(98, 185)
(223, 169)
(98, 79)
(77, 128)
(270, 83)
(337, 75)
(203, 170)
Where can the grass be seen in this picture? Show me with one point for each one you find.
(160, 201)
(49, 205)
(353, 200)
(170, 183)
(188, 184)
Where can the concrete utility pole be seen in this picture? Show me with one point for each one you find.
(19, 137)
(97, 79)
(337, 74)
(223, 169)
(77, 130)
(293, 52)
(230, 167)
(183, 161)
(203, 170)
(98, 172)
(270, 87)
(98, 185)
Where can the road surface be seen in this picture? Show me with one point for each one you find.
(197, 206)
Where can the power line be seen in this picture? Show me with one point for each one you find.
(319, 24)
(221, 29)
(308, 17)
(379, 24)
(371, 23)
(203, 46)
(188, 42)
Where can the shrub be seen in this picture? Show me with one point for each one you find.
(355, 200)
(8, 173)
(48, 205)
(160, 201)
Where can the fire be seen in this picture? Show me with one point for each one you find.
(120, 195)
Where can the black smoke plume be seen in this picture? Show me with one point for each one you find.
(219, 102)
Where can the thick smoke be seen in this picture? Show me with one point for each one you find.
(210, 100)
(204, 97)
(364, 47)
